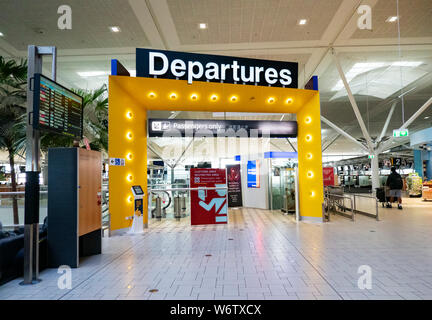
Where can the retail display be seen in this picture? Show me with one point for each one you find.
(427, 190)
(414, 185)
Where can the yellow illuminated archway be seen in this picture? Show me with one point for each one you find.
(131, 97)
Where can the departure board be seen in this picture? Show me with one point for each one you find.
(56, 109)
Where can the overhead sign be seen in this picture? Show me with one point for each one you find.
(56, 108)
(213, 68)
(189, 127)
(253, 174)
(208, 206)
(400, 133)
(234, 186)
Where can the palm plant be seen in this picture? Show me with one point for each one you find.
(12, 99)
(95, 106)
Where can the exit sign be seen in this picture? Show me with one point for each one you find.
(371, 156)
(400, 133)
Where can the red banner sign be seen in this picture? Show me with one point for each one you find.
(328, 176)
(208, 206)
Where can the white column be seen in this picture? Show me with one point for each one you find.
(375, 172)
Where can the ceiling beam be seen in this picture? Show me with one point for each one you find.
(147, 22)
(388, 143)
(342, 132)
(353, 103)
(164, 22)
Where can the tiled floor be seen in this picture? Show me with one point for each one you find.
(258, 255)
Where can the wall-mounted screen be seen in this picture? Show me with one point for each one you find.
(56, 108)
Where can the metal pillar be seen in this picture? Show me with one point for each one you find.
(31, 210)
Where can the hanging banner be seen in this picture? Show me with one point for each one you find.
(234, 186)
(328, 176)
(208, 206)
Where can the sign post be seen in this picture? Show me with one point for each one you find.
(31, 208)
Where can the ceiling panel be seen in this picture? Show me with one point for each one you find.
(25, 22)
(415, 20)
(236, 21)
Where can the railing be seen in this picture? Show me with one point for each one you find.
(106, 217)
(177, 202)
(6, 208)
(336, 203)
(373, 203)
(335, 200)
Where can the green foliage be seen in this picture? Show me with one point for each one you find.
(12, 99)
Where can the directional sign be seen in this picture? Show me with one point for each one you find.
(116, 162)
(400, 133)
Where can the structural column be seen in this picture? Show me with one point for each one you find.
(375, 172)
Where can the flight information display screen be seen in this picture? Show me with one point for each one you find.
(56, 108)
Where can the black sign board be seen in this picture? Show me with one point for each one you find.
(152, 63)
(56, 108)
(240, 128)
(234, 186)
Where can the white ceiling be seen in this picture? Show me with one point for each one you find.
(265, 29)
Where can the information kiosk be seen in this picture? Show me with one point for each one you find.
(137, 224)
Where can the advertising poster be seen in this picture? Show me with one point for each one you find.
(253, 174)
(208, 206)
(234, 186)
(328, 176)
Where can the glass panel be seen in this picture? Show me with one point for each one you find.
(276, 188)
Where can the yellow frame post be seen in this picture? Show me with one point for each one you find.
(131, 97)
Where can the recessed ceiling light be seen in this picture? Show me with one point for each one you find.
(426, 118)
(114, 29)
(203, 25)
(302, 22)
(392, 19)
(1, 34)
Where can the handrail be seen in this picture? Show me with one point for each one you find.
(17, 193)
(188, 189)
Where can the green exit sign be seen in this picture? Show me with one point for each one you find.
(400, 133)
(371, 156)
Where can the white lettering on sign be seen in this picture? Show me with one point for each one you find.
(194, 70)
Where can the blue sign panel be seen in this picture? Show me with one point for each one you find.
(280, 154)
(253, 174)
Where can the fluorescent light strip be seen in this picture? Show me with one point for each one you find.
(363, 67)
(86, 74)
